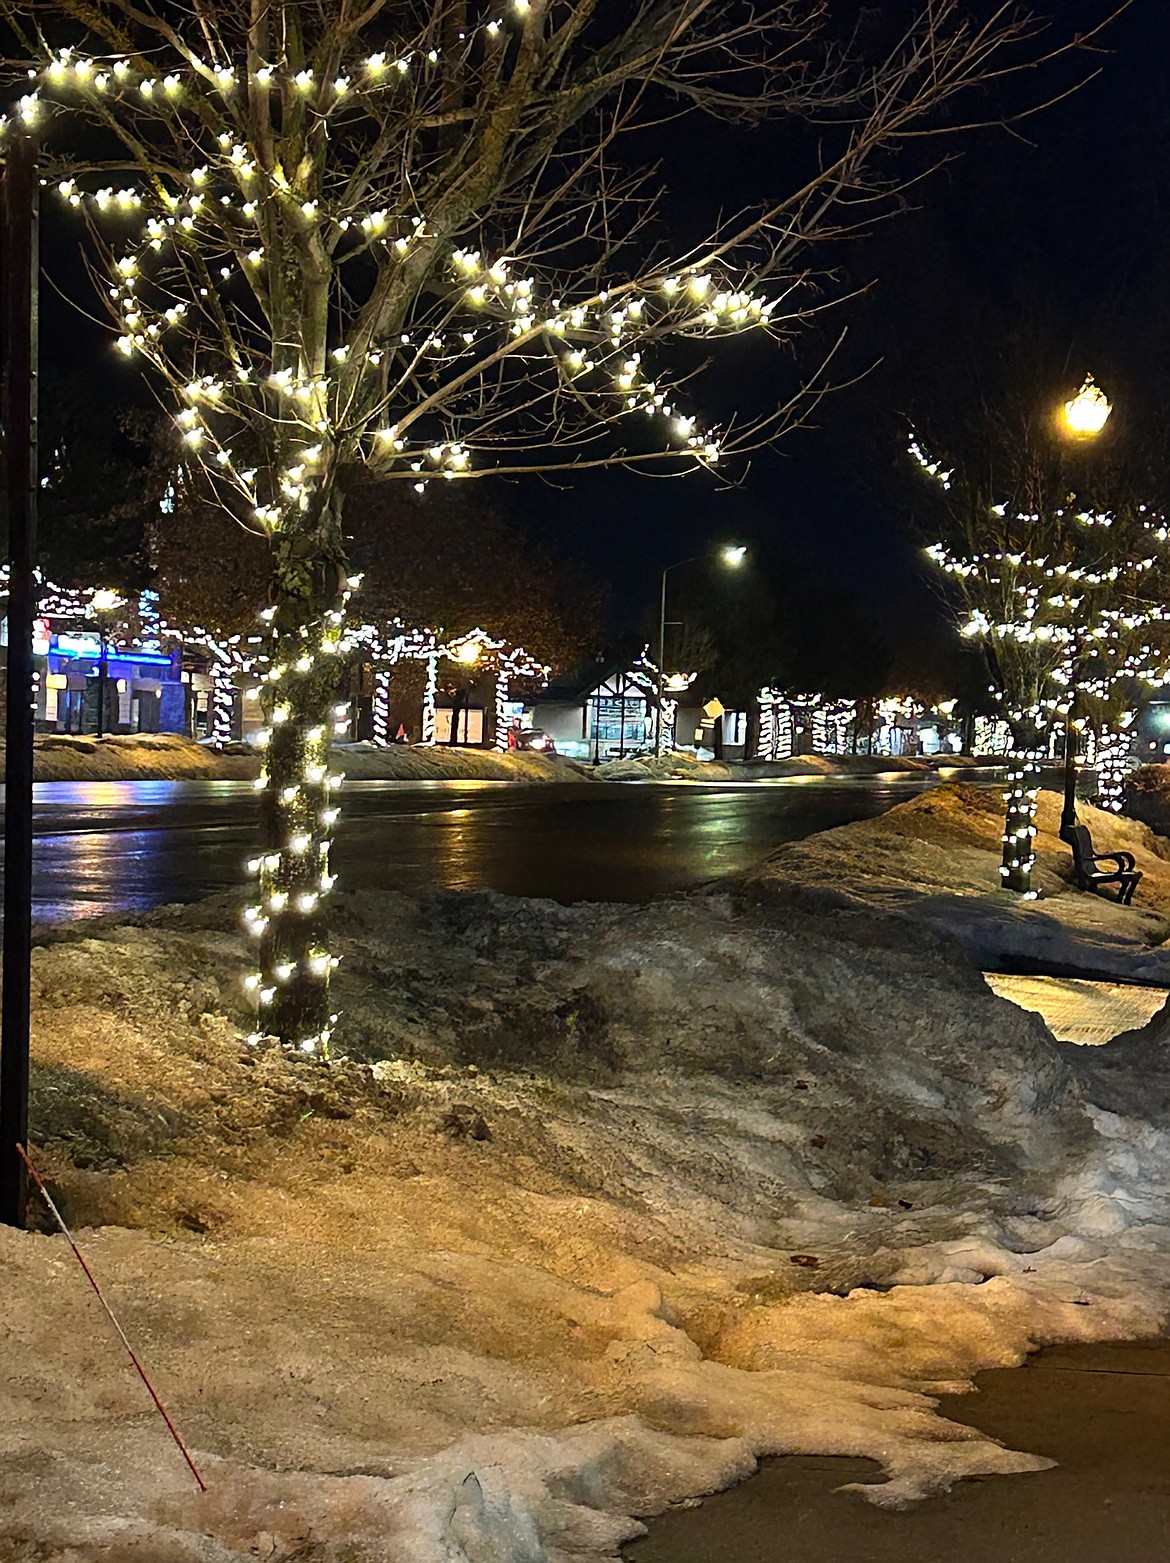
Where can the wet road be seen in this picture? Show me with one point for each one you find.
(109, 846)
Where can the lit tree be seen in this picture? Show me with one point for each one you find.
(396, 238)
(1063, 593)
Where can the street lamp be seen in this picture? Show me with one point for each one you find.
(731, 556)
(1082, 418)
(1087, 413)
(104, 604)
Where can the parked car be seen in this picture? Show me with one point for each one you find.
(535, 738)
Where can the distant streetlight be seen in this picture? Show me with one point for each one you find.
(732, 556)
(104, 605)
(1088, 412)
(468, 653)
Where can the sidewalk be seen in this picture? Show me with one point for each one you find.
(1101, 1412)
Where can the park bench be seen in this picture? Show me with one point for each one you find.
(1090, 875)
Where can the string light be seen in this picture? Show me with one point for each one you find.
(1078, 618)
(400, 406)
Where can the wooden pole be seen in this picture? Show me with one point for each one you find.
(18, 413)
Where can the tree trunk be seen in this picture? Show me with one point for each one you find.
(497, 735)
(717, 736)
(297, 793)
(1113, 755)
(380, 709)
(1023, 784)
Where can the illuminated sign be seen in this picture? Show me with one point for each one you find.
(77, 645)
(82, 645)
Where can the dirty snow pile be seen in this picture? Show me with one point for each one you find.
(686, 765)
(135, 757)
(170, 757)
(440, 762)
(934, 861)
(606, 1203)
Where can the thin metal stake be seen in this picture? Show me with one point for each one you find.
(89, 1275)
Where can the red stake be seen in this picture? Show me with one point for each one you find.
(89, 1275)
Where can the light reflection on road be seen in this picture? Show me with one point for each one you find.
(107, 846)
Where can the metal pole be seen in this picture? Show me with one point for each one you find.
(18, 412)
(1068, 815)
(103, 649)
(661, 665)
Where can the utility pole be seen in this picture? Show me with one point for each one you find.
(19, 210)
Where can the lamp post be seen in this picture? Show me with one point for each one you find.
(467, 656)
(732, 557)
(19, 218)
(105, 603)
(1080, 419)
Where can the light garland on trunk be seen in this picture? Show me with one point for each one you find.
(273, 266)
(1070, 607)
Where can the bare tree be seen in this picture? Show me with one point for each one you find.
(413, 239)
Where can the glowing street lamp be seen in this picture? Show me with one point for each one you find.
(468, 653)
(105, 604)
(732, 556)
(1088, 412)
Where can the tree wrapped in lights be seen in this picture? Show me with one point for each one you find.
(394, 239)
(1064, 594)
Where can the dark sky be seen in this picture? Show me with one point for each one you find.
(1070, 207)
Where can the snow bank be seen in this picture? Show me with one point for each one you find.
(134, 757)
(168, 757)
(416, 762)
(608, 1203)
(935, 860)
(681, 765)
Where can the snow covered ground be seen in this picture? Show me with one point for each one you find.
(168, 757)
(934, 861)
(607, 1203)
(683, 765)
(134, 757)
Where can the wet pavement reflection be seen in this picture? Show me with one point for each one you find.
(110, 846)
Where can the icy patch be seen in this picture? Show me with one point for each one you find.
(1076, 1010)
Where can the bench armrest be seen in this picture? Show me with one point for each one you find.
(1124, 860)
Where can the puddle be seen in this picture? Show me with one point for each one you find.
(1077, 1010)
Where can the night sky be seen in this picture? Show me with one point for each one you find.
(1070, 207)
